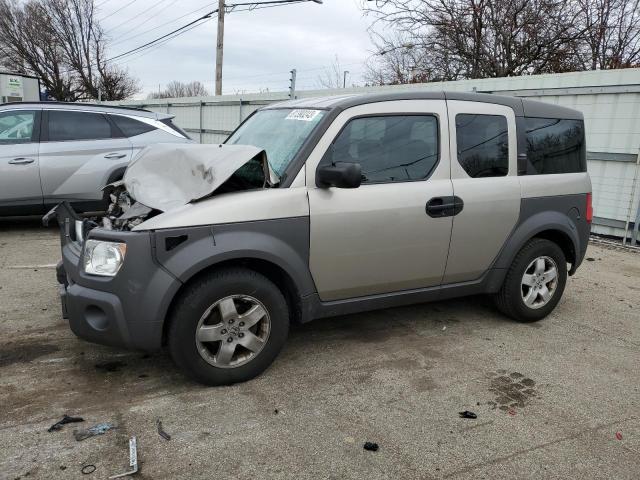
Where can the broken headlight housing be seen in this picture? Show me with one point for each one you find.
(103, 258)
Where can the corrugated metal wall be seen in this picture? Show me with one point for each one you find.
(609, 100)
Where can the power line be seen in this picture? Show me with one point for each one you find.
(161, 25)
(149, 49)
(205, 17)
(142, 13)
(118, 10)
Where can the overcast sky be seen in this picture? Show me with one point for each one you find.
(261, 46)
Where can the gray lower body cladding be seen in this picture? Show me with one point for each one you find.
(130, 309)
(127, 310)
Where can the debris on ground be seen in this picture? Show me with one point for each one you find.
(619, 435)
(371, 446)
(88, 469)
(133, 459)
(467, 414)
(99, 429)
(161, 431)
(275, 411)
(65, 419)
(590, 259)
(511, 412)
(110, 366)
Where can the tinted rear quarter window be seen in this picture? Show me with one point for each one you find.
(391, 148)
(65, 126)
(555, 146)
(483, 144)
(131, 127)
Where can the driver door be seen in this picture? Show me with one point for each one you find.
(380, 238)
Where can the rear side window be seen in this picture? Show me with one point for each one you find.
(555, 146)
(131, 127)
(483, 144)
(393, 148)
(65, 126)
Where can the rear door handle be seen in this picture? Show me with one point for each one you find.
(115, 156)
(21, 161)
(444, 206)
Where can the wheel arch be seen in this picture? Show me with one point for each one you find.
(271, 270)
(553, 226)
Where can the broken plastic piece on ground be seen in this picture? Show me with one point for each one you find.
(371, 446)
(619, 435)
(110, 366)
(65, 419)
(133, 459)
(161, 431)
(590, 259)
(99, 429)
(87, 469)
(467, 414)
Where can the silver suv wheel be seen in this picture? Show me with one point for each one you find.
(232, 331)
(539, 282)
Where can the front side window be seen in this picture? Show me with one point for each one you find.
(483, 144)
(555, 146)
(64, 126)
(280, 132)
(17, 127)
(390, 148)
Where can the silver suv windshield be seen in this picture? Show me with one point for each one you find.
(280, 132)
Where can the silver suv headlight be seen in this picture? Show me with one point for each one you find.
(103, 258)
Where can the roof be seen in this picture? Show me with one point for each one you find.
(520, 106)
(88, 106)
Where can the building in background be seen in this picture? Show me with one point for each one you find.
(15, 87)
(609, 100)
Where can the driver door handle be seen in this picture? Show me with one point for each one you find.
(21, 161)
(114, 156)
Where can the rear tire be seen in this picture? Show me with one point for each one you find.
(534, 283)
(228, 326)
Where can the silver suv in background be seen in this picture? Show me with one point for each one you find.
(51, 152)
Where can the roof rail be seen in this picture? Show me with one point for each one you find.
(75, 103)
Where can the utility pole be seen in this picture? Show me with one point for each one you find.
(292, 84)
(220, 47)
(344, 80)
(251, 5)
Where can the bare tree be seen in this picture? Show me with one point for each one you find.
(62, 43)
(611, 33)
(332, 76)
(456, 39)
(177, 89)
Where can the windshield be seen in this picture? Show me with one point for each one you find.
(279, 132)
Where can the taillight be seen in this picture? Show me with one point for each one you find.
(589, 215)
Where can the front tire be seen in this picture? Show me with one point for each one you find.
(228, 326)
(534, 283)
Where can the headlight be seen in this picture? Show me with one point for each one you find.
(103, 258)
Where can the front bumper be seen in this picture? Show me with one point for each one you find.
(127, 310)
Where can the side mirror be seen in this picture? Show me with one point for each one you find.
(340, 175)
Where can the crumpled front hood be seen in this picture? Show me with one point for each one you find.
(165, 176)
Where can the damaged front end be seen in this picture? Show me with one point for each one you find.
(166, 176)
(124, 213)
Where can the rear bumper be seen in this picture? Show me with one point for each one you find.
(127, 310)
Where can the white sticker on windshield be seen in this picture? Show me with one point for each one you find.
(304, 115)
